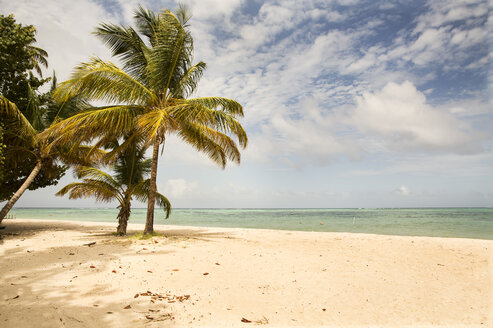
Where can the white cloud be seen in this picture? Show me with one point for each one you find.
(212, 8)
(401, 117)
(438, 36)
(402, 190)
(442, 12)
(179, 188)
(312, 137)
(395, 119)
(63, 29)
(312, 95)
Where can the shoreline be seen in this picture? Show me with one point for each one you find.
(275, 278)
(448, 223)
(139, 227)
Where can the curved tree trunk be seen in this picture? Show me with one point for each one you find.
(149, 227)
(123, 217)
(21, 190)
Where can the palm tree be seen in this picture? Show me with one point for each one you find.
(151, 90)
(128, 180)
(31, 142)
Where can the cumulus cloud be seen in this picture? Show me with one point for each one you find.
(396, 118)
(400, 115)
(311, 138)
(334, 68)
(320, 81)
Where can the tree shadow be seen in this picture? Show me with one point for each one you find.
(67, 285)
(25, 229)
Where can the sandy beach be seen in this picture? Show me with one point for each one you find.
(222, 277)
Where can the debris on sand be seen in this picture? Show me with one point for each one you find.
(170, 298)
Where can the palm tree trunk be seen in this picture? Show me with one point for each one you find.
(21, 190)
(149, 227)
(123, 216)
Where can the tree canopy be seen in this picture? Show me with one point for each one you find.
(150, 94)
(18, 59)
(20, 79)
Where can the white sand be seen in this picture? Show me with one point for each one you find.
(272, 278)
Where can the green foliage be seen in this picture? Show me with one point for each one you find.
(18, 59)
(142, 236)
(151, 89)
(49, 175)
(149, 93)
(128, 180)
(24, 111)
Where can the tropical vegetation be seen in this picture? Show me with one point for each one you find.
(128, 181)
(148, 96)
(28, 159)
(32, 145)
(20, 66)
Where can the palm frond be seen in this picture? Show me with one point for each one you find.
(38, 57)
(103, 81)
(188, 82)
(154, 121)
(183, 13)
(126, 44)
(147, 22)
(22, 125)
(229, 106)
(217, 146)
(209, 141)
(118, 148)
(33, 110)
(81, 155)
(217, 119)
(131, 166)
(57, 111)
(84, 127)
(164, 203)
(141, 192)
(171, 54)
(94, 174)
(91, 188)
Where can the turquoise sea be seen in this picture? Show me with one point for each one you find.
(433, 222)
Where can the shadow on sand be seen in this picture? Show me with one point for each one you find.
(31, 297)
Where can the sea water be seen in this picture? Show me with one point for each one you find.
(433, 222)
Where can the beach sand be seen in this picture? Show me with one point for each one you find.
(217, 277)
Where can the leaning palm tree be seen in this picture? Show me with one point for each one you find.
(150, 94)
(30, 142)
(127, 181)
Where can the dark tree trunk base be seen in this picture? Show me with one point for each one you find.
(123, 217)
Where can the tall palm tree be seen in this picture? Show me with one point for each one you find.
(128, 180)
(151, 90)
(31, 142)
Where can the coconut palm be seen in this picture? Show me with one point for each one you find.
(31, 143)
(150, 93)
(127, 181)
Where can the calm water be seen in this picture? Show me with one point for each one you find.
(436, 222)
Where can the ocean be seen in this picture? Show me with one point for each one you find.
(433, 222)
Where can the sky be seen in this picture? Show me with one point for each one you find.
(347, 103)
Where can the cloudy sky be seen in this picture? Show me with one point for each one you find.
(347, 103)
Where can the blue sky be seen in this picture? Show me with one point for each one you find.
(347, 103)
